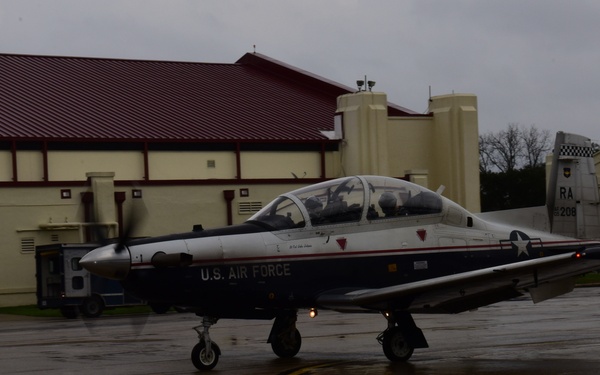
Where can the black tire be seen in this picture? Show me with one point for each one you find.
(203, 360)
(92, 307)
(395, 348)
(287, 346)
(69, 312)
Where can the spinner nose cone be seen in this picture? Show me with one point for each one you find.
(107, 262)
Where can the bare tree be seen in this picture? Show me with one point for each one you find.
(503, 149)
(536, 144)
(513, 148)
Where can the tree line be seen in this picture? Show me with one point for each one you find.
(512, 167)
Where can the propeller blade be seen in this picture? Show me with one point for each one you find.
(135, 218)
(131, 221)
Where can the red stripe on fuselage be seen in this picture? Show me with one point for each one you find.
(555, 245)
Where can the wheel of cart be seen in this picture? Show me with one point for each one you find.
(92, 306)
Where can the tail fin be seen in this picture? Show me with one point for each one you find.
(572, 199)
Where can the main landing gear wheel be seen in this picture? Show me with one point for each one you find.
(395, 346)
(287, 344)
(284, 338)
(204, 359)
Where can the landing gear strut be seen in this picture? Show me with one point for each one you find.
(401, 337)
(205, 354)
(285, 338)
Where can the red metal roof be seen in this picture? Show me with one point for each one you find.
(91, 99)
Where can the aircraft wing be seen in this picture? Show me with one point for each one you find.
(543, 277)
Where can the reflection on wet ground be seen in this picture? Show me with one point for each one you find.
(559, 336)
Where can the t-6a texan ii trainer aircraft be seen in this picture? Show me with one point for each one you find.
(368, 244)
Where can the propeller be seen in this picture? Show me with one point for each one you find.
(112, 259)
(136, 217)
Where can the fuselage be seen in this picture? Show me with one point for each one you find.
(286, 255)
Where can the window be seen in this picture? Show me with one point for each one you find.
(77, 282)
(344, 202)
(393, 198)
(53, 268)
(75, 266)
(280, 214)
(335, 201)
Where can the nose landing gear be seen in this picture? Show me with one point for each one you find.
(205, 354)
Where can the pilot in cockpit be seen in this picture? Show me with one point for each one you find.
(388, 204)
(314, 206)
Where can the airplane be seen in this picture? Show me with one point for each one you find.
(368, 244)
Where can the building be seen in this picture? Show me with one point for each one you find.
(83, 140)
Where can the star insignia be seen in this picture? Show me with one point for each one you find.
(522, 244)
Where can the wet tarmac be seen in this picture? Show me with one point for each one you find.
(559, 336)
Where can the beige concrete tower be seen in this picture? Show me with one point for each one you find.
(441, 148)
(365, 123)
(455, 147)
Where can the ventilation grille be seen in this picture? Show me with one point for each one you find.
(247, 208)
(27, 245)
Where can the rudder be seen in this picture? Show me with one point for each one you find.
(573, 199)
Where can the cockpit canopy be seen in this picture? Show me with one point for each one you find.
(348, 199)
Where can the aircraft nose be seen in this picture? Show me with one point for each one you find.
(107, 262)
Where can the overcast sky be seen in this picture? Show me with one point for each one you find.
(528, 62)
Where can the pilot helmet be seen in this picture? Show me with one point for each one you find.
(387, 202)
(313, 203)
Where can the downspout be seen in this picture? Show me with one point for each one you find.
(87, 199)
(119, 199)
(45, 160)
(13, 151)
(229, 195)
(238, 161)
(146, 166)
(323, 160)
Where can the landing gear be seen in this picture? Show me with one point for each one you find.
(205, 354)
(401, 337)
(394, 345)
(285, 338)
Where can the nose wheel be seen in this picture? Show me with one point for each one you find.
(205, 354)
(204, 359)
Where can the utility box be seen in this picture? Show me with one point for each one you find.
(63, 284)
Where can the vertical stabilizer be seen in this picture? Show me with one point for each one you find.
(573, 201)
